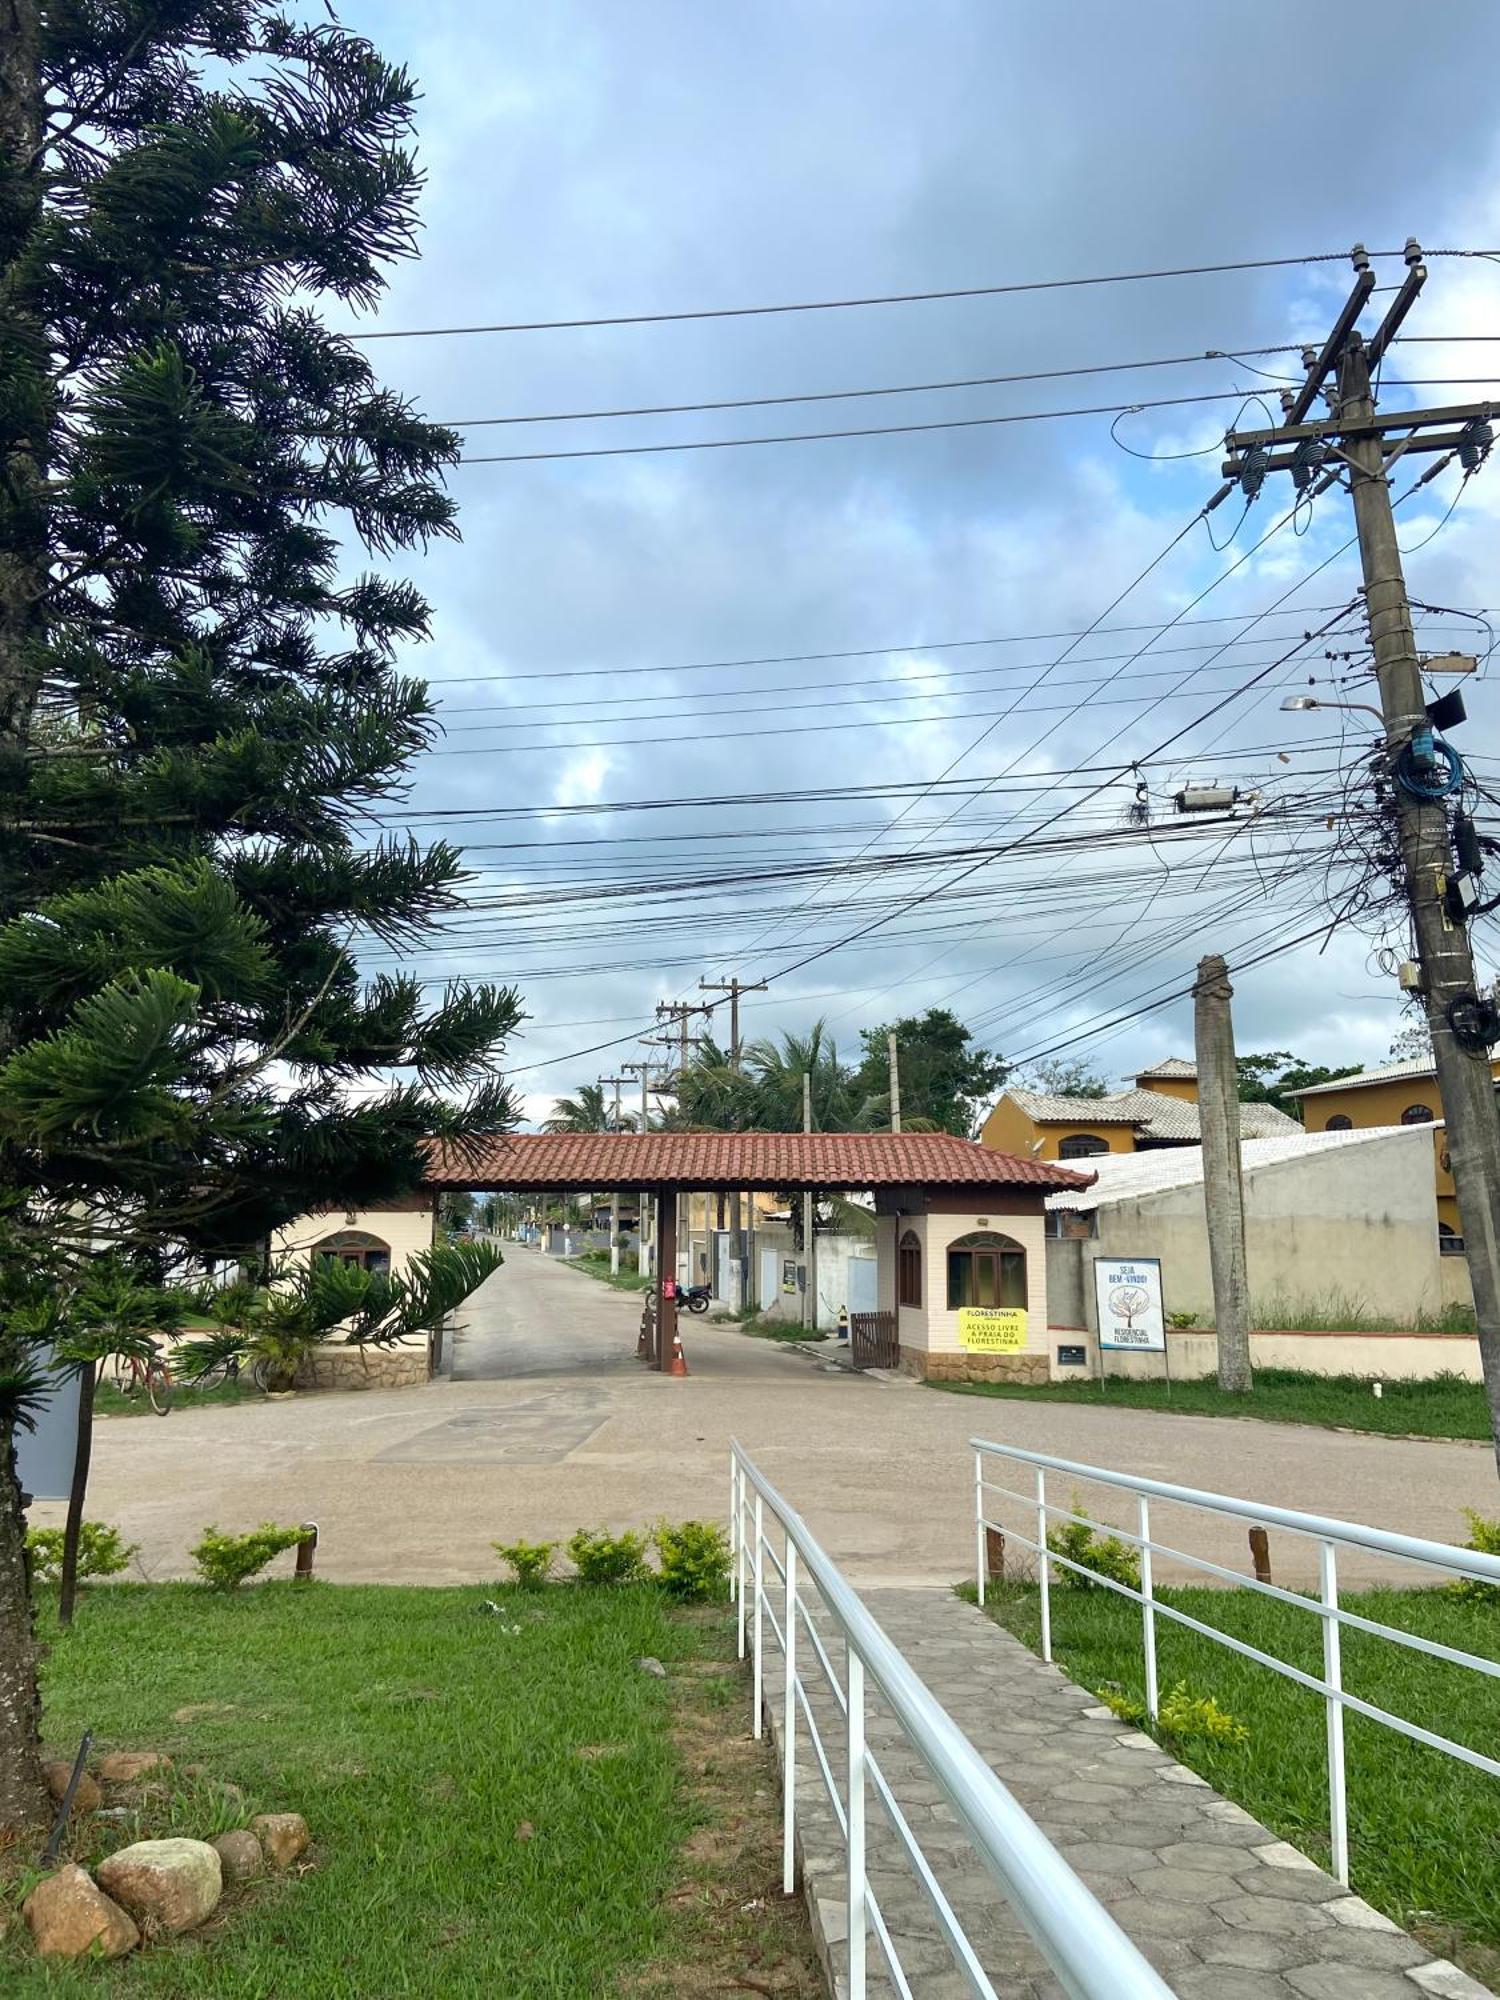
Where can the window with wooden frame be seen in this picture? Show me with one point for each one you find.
(1417, 1114)
(909, 1270)
(985, 1269)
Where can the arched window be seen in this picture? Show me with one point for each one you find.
(1450, 1243)
(1416, 1114)
(1339, 1124)
(355, 1246)
(985, 1269)
(909, 1270)
(1082, 1146)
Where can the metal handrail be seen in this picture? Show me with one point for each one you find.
(1085, 1947)
(1329, 1533)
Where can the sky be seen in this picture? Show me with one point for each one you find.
(599, 162)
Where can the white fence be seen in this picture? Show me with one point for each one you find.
(1091, 1955)
(1330, 1537)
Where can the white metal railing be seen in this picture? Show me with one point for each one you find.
(1090, 1954)
(1329, 1535)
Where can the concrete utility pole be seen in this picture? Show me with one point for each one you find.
(642, 1247)
(1358, 439)
(809, 1223)
(734, 987)
(614, 1198)
(894, 1062)
(1223, 1189)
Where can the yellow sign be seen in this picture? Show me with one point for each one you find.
(992, 1329)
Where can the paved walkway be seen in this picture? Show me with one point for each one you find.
(1222, 1908)
(549, 1422)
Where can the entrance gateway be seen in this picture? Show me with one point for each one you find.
(960, 1250)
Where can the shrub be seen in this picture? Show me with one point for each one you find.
(225, 1561)
(1128, 1707)
(529, 1561)
(1185, 1715)
(1104, 1555)
(102, 1551)
(1484, 1539)
(694, 1557)
(600, 1557)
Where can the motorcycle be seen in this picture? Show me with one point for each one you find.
(694, 1298)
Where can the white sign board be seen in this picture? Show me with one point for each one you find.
(1127, 1292)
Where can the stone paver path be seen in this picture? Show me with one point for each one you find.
(1224, 1909)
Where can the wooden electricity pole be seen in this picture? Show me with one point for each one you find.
(1223, 1189)
(1360, 444)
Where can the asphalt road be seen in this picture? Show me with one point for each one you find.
(548, 1423)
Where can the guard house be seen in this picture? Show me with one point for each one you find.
(960, 1228)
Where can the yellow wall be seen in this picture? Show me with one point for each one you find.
(1383, 1104)
(1183, 1088)
(1009, 1130)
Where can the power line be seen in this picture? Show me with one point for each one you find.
(883, 299)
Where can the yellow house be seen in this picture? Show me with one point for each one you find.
(1161, 1110)
(1398, 1093)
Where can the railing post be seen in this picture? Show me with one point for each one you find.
(855, 1815)
(739, 1561)
(789, 1730)
(734, 1494)
(1148, 1608)
(1043, 1572)
(1338, 1802)
(760, 1599)
(979, 1564)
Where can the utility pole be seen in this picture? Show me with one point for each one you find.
(677, 1013)
(1423, 772)
(614, 1196)
(893, 1062)
(734, 986)
(1223, 1187)
(809, 1224)
(642, 1247)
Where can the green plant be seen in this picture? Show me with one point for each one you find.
(225, 1561)
(694, 1558)
(529, 1561)
(1126, 1706)
(102, 1551)
(1184, 1716)
(1099, 1555)
(1184, 1319)
(1484, 1539)
(600, 1557)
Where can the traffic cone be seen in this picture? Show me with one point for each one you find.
(678, 1363)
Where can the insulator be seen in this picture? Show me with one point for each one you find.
(1253, 471)
(1311, 454)
(1474, 444)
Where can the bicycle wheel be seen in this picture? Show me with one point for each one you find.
(209, 1377)
(123, 1375)
(260, 1375)
(160, 1387)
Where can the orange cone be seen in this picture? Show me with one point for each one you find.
(678, 1363)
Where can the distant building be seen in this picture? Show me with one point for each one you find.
(1162, 1110)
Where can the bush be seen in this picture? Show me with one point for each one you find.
(1184, 1716)
(1127, 1707)
(1484, 1539)
(225, 1561)
(102, 1551)
(600, 1557)
(529, 1561)
(1104, 1555)
(694, 1557)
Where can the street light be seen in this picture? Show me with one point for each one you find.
(1312, 701)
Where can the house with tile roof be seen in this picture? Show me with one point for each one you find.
(1160, 1110)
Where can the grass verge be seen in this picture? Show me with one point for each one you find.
(108, 1401)
(1424, 1829)
(499, 1805)
(595, 1264)
(768, 1327)
(1444, 1407)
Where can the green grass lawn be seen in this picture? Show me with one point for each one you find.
(108, 1401)
(1444, 1407)
(494, 1812)
(1424, 1830)
(595, 1264)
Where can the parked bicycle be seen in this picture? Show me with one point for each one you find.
(132, 1377)
(217, 1373)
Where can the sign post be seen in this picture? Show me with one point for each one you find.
(1127, 1297)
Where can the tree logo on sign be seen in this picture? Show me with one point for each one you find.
(1128, 1302)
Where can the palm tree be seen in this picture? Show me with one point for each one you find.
(587, 1112)
(777, 1070)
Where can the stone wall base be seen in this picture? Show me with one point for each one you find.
(1032, 1369)
(365, 1368)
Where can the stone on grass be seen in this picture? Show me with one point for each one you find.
(283, 1836)
(239, 1852)
(167, 1885)
(652, 1666)
(123, 1767)
(70, 1915)
(88, 1796)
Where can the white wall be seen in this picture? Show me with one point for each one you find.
(931, 1327)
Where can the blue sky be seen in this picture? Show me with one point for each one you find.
(597, 161)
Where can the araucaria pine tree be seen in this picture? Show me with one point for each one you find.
(200, 707)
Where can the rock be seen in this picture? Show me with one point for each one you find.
(239, 1852)
(167, 1885)
(123, 1767)
(70, 1915)
(88, 1796)
(652, 1666)
(283, 1836)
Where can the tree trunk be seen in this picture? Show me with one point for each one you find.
(23, 1794)
(83, 1451)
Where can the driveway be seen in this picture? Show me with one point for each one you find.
(548, 1424)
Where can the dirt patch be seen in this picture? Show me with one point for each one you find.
(732, 1929)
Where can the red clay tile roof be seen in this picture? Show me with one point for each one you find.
(557, 1162)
